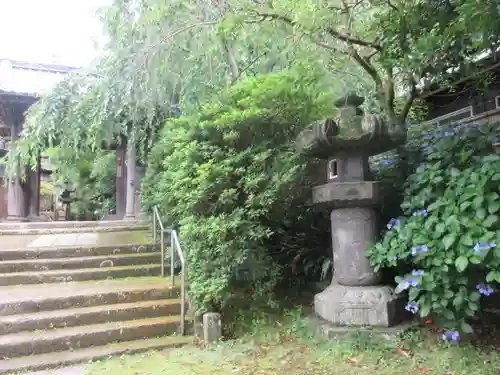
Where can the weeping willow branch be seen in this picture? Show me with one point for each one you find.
(333, 32)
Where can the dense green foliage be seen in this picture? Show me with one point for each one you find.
(449, 229)
(92, 176)
(231, 178)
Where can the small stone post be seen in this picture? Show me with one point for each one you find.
(212, 327)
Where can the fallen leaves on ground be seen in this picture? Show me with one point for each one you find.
(402, 352)
(283, 353)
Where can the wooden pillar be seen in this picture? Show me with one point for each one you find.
(121, 182)
(34, 190)
(15, 196)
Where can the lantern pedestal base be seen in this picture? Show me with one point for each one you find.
(360, 306)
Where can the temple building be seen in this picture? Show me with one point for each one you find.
(21, 85)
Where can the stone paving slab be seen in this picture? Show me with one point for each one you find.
(74, 239)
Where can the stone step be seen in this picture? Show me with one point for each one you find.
(71, 224)
(62, 339)
(100, 229)
(72, 251)
(49, 361)
(25, 299)
(61, 276)
(118, 260)
(47, 320)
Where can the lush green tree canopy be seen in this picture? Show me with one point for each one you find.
(170, 56)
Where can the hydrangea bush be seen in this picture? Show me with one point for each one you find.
(448, 233)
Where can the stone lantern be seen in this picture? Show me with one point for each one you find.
(67, 197)
(354, 296)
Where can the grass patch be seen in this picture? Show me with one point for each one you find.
(292, 350)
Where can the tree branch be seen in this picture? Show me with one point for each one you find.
(370, 56)
(389, 89)
(183, 29)
(409, 100)
(367, 66)
(248, 66)
(334, 33)
(231, 59)
(392, 6)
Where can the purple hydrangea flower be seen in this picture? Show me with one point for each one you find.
(386, 161)
(453, 336)
(412, 307)
(428, 149)
(482, 246)
(418, 272)
(419, 249)
(393, 223)
(485, 289)
(412, 281)
(428, 136)
(422, 212)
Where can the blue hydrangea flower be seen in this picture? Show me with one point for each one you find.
(428, 136)
(485, 289)
(412, 307)
(453, 336)
(386, 161)
(412, 281)
(422, 212)
(482, 246)
(419, 249)
(428, 149)
(418, 272)
(448, 133)
(395, 257)
(393, 223)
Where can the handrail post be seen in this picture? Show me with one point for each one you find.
(183, 302)
(162, 247)
(154, 226)
(172, 244)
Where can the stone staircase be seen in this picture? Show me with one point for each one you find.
(77, 295)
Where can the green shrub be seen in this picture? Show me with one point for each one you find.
(231, 178)
(449, 228)
(92, 176)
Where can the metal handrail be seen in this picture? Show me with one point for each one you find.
(174, 244)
